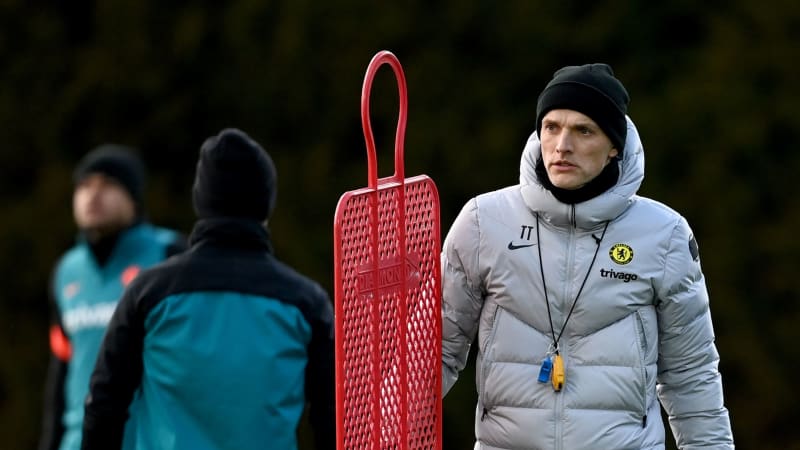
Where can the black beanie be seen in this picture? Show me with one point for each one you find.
(118, 162)
(590, 89)
(235, 178)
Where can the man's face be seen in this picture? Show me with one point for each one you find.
(101, 205)
(574, 148)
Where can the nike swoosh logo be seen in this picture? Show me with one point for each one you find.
(512, 246)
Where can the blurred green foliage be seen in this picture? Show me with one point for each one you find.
(714, 87)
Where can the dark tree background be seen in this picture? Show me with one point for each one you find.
(714, 89)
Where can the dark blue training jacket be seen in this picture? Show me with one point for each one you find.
(218, 348)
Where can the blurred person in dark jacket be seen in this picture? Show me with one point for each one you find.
(115, 243)
(223, 346)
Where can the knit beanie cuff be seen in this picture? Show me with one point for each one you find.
(119, 163)
(589, 101)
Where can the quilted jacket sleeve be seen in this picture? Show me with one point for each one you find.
(462, 296)
(689, 383)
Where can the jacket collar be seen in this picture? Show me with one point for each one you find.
(230, 232)
(103, 249)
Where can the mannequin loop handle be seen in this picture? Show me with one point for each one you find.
(384, 57)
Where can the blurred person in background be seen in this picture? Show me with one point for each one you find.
(226, 343)
(115, 242)
(588, 300)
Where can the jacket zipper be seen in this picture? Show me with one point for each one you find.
(567, 293)
(570, 260)
(572, 218)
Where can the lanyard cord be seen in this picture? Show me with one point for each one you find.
(544, 285)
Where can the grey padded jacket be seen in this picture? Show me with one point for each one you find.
(640, 331)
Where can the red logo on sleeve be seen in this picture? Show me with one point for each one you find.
(129, 274)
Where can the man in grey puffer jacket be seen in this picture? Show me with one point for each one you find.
(588, 301)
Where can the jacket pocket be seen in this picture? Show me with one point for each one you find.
(641, 340)
(486, 361)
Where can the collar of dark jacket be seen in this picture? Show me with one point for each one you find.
(231, 232)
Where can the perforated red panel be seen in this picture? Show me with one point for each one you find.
(388, 312)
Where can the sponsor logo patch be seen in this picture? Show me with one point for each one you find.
(82, 317)
(624, 276)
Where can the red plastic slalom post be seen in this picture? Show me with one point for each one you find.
(388, 299)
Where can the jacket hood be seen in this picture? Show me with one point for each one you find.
(591, 213)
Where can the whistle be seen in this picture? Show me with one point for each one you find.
(558, 373)
(544, 372)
